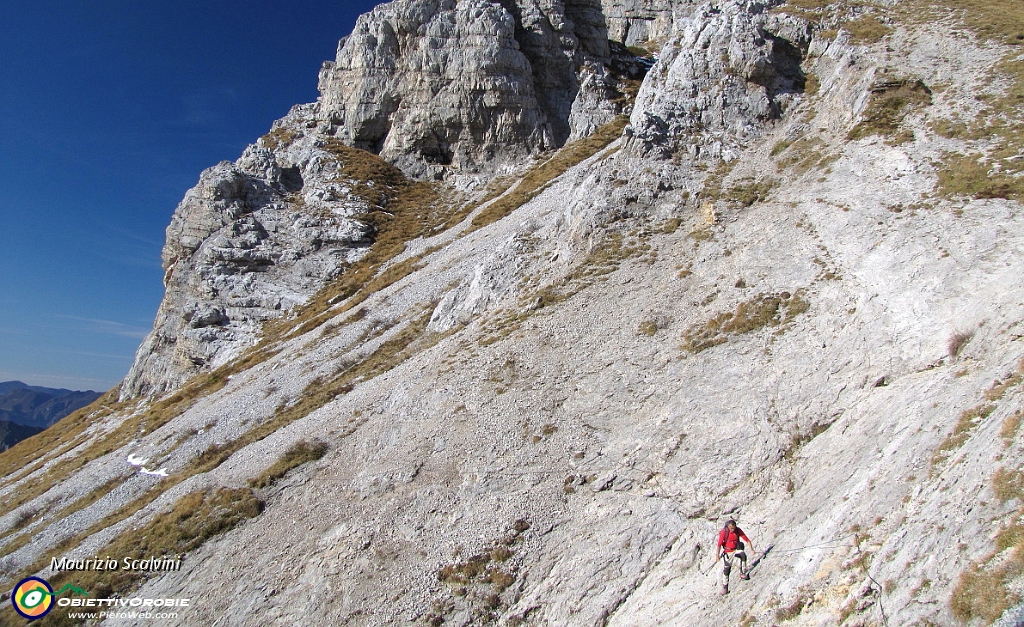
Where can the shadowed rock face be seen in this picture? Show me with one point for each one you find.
(426, 83)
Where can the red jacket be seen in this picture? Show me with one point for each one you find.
(729, 540)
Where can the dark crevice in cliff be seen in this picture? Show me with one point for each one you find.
(555, 73)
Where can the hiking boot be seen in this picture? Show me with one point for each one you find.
(724, 590)
(744, 576)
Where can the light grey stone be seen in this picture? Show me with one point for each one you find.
(539, 414)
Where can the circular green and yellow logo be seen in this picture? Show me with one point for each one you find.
(32, 598)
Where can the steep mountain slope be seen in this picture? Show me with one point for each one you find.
(787, 290)
(438, 88)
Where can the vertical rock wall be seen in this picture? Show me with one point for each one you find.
(645, 23)
(430, 85)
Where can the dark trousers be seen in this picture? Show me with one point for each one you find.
(727, 559)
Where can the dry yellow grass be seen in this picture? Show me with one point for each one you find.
(158, 414)
(88, 499)
(891, 101)
(999, 20)
(295, 456)
(991, 169)
(711, 189)
(486, 567)
(965, 426)
(748, 191)
(279, 137)
(983, 591)
(29, 454)
(1010, 427)
(807, 154)
(957, 341)
(1001, 387)
(1008, 485)
(866, 29)
(403, 210)
(402, 345)
(764, 310)
(862, 20)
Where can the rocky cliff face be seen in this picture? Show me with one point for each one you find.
(786, 291)
(729, 72)
(430, 84)
(648, 23)
(436, 88)
(252, 240)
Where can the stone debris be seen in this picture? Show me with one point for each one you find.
(731, 310)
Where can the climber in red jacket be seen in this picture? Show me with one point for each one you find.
(730, 546)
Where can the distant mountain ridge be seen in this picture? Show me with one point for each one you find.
(7, 386)
(39, 407)
(11, 433)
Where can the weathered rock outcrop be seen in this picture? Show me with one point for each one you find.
(644, 23)
(253, 239)
(431, 83)
(720, 81)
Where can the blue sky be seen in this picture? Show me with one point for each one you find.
(109, 110)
